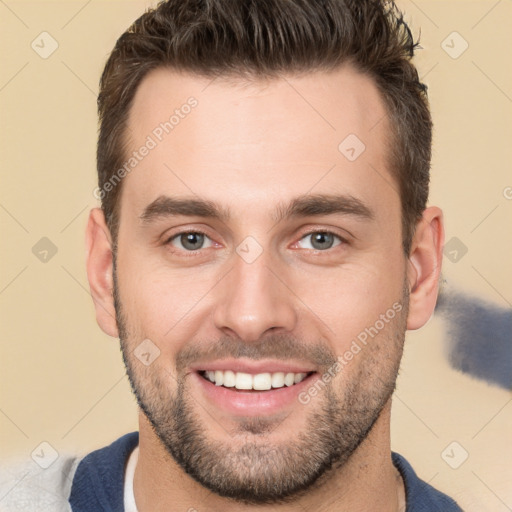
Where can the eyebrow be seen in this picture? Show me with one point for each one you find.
(302, 206)
(324, 204)
(165, 206)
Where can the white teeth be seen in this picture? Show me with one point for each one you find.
(298, 377)
(243, 380)
(262, 381)
(229, 379)
(219, 378)
(289, 379)
(259, 382)
(278, 380)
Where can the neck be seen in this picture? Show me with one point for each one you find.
(367, 481)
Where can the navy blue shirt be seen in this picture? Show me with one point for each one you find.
(98, 484)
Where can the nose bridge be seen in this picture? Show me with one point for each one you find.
(252, 300)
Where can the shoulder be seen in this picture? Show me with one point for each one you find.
(27, 487)
(107, 463)
(422, 497)
(93, 482)
(98, 483)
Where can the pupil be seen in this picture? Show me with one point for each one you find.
(322, 240)
(192, 241)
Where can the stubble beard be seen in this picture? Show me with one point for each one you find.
(249, 467)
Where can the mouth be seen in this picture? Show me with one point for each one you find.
(265, 381)
(240, 389)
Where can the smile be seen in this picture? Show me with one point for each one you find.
(241, 388)
(258, 382)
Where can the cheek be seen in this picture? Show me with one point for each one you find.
(160, 302)
(370, 358)
(351, 298)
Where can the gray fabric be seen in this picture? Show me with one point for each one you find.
(29, 488)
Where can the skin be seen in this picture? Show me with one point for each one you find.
(251, 148)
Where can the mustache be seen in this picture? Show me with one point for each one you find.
(274, 346)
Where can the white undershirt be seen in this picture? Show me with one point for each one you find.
(129, 497)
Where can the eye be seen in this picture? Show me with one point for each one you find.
(190, 241)
(319, 241)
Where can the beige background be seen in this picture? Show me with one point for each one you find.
(62, 380)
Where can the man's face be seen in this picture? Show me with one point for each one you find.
(251, 244)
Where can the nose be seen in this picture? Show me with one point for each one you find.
(252, 300)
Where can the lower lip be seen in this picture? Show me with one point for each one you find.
(252, 403)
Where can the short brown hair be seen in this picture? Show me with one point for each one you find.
(269, 38)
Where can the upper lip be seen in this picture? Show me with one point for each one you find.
(253, 367)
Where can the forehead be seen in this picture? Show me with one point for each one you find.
(247, 143)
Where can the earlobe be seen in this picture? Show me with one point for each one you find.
(424, 267)
(100, 271)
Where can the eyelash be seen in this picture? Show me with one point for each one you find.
(193, 253)
(185, 232)
(342, 240)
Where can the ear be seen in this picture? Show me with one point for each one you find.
(100, 271)
(424, 267)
